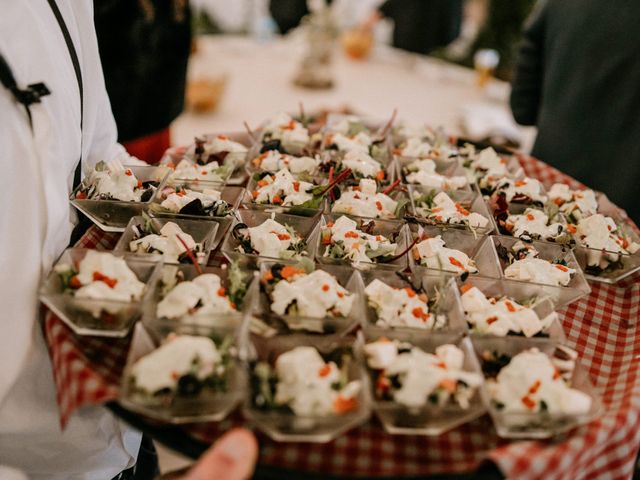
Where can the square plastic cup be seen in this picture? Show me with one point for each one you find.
(169, 273)
(524, 293)
(447, 168)
(535, 425)
(428, 420)
(264, 320)
(252, 186)
(281, 424)
(391, 229)
(305, 227)
(443, 290)
(203, 233)
(235, 159)
(399, 194)
(102, 318)
(479, 248)
(232, 195)
(113, 215)
(470, 200)
(206, 404)
(621, 265)
(559, 295)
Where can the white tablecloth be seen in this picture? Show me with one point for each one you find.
(259, 85)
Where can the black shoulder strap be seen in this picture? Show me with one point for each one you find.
(76, 67)
(26, 97)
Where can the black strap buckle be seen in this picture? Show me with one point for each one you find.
(32, 94)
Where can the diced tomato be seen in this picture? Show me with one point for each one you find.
(436, 209)
(556, 374)
(324, 370)
(325, 288)
(382, 383)
(379, 205)
(81, 195)
(99, 277)
(448, 384)
(223, 137)
(282, 236)
(510, 306)
(262, 183)
(289, 271)
(465, 288)
(410, 292)
(128, 172)
(277, 199)
(340, 295)
(174, 375)
(535, 387)
(455, 263)
(267, 276)
(571, 228)
(419, 313)
(380, 175)
(75, 282)
(221, 292)
(351, 234)
(204, 172)
(558, 201)
(181, 193)
(254, 194)
(296, 186)
(490, 320)
(461, 210)
(344, 405)
(330, 224)
(520, 183)
(326, 238)
(530, 217)
(441, 365)
(528, 402)
(139, 184)
(562, 268)
(171, 165)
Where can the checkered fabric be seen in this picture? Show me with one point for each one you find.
(601, 327)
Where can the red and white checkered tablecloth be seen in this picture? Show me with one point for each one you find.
(602, 327)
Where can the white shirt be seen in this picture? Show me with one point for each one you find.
(35, 224)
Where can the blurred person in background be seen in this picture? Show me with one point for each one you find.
(420, 26)
(577, 79)
(144, 48)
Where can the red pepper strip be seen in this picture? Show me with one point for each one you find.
(331, 195)
(192, 257)
(340, 178)
(391, 187)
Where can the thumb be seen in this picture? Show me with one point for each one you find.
(232, 457)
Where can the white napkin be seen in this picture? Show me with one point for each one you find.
(481, 121)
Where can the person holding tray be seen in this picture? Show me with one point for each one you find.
(55, 118)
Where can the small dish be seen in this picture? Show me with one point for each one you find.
(204, 383)
(477, 248)
(179, 296)
(524, 295)
(90, 316)
(495, 352)
(444, 317)
(202, 233)
(560, 256)
(332, 306)
(113, 215)
(425, 408)
(423, 208)
(304, 227)
(393, 231)
(277, 418)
